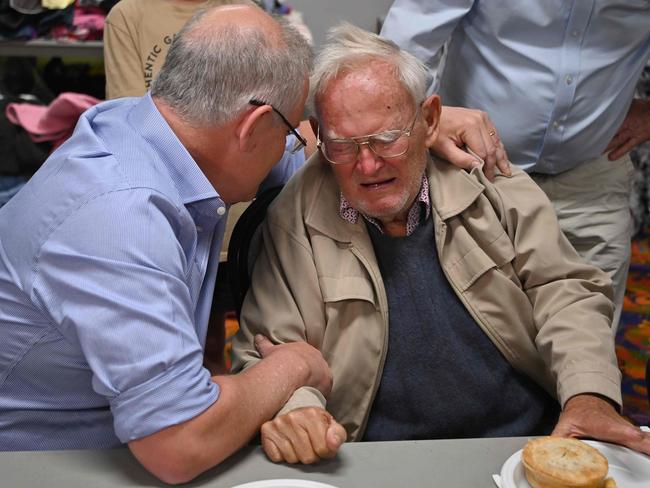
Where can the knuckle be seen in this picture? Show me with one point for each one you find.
(323, 452)
(309, 458)
(267, 429)
(287, 422)
(638, 436)
(308, 413)
(284, 420)
(274, 456)
(314, 411)
(271, 451)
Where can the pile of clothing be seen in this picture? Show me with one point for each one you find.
(29, 131)
(69, 20)
(33, 122)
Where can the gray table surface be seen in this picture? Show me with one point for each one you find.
(457, 463)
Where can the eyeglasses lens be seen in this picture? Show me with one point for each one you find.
(386, 145)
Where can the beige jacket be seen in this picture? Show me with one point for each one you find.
(499, 244)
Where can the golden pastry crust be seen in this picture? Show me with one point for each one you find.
(558, 462)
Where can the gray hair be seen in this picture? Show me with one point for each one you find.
(210, 74)
(350, 47)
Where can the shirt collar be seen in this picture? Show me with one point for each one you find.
(191, 183)
(351, 215)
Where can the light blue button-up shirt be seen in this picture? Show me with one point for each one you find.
(556, 76)
(108, 258)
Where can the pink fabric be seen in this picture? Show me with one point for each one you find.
(87, 18)
(54, 122)
(88, 23)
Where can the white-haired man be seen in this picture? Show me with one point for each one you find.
(446, 305)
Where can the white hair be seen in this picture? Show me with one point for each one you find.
(350, 47)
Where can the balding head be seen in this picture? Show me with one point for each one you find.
(244, 16)
(225, 56)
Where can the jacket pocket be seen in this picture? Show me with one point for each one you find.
(347, 288)
(478, 261)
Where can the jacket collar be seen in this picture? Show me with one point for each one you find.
(451, 189)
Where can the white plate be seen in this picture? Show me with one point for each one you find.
(288, 483)
(628, 468)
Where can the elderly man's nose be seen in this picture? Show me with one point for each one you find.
(367, 161)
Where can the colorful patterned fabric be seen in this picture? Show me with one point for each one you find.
(232, 326)
(633, 337)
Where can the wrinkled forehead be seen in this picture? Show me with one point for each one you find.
(360, 86)
(371, 91)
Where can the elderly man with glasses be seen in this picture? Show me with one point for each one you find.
(446, 305)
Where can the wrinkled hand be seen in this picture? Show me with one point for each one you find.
(634, 130)
(308, 362)
(303, 435)
(460, 127)
(594, 417)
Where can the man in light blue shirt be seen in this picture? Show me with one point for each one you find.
(557, 78)
(108, 257)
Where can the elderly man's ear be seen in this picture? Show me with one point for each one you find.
(431, 110)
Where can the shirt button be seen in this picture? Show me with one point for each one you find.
(568, 79)
(199, 228)
(575, 33)
(221, 210)
(556, 125)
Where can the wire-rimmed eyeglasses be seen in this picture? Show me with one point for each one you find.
(387, 144)
(300, 141)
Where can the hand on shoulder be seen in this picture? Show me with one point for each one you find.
(463, 127)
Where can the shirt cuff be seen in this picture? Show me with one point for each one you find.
(594, 379)
(305, 396)
(171, 398)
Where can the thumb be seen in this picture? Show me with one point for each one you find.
(565, 427)
(335, 436)
(263, 345)
(561, 430)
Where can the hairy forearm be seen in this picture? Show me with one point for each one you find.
(181, 452)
